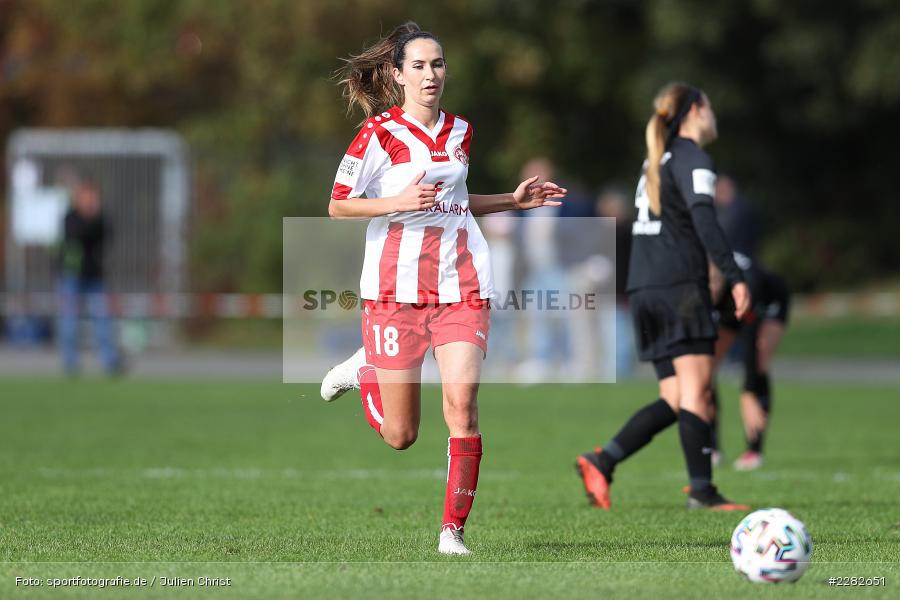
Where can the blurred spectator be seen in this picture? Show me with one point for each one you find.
(613, 202)
(573, 242)
(737, 217)
(86, 234)
(499, 231)
(580, 246)
(546, 340)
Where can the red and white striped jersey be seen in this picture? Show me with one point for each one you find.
(434, 256)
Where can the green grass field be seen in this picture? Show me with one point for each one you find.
(807, 336)
(291, 497)
(860, 337)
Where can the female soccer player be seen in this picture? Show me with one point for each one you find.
(760, 332)
(668, 284)
(426, 276)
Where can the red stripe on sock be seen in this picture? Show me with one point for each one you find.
(467, 446)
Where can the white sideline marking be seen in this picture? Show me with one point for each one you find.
(168, 472)
(256, 473)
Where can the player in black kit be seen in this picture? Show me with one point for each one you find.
(674, 230)
(761, 329)
(759, 332)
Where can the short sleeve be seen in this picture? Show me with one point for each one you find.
(695, 176)
(466, 144)
(362, 163)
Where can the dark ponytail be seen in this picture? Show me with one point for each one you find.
(367, 78)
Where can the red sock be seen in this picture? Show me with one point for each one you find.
(464, 456)
(371, 396)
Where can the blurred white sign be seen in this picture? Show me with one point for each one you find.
(38, 213)
(25, 175)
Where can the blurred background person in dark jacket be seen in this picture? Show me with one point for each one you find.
(86, 236)
(614, 202)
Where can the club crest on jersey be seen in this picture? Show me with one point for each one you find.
(460, 155)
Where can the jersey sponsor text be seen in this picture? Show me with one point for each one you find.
(439, 253)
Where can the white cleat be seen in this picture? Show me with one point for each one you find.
(342, 378)
(452, 542)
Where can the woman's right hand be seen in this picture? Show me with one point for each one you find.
(416, 196)
(741, 295)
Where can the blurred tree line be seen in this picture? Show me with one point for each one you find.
(806, 93)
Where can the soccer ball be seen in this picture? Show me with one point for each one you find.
(771, 545)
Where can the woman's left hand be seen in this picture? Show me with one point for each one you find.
(531, 194)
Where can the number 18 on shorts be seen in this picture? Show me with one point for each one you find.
(397, 335)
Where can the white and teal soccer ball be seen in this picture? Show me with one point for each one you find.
(770, 546)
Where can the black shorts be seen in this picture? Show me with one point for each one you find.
(776, 298)
(770, 297)
(672, 321)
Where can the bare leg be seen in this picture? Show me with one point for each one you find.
(756, 399)
(669, 391)
(770, 334)
(460, 367)
(694, 373)
(753, 416)
(401, 392)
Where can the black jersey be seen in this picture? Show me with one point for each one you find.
(673, 247)
(81, 253)
(741, 227)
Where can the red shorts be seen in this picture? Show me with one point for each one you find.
(397, 335)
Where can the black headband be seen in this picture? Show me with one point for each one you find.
(691, 97)
(404, 40)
